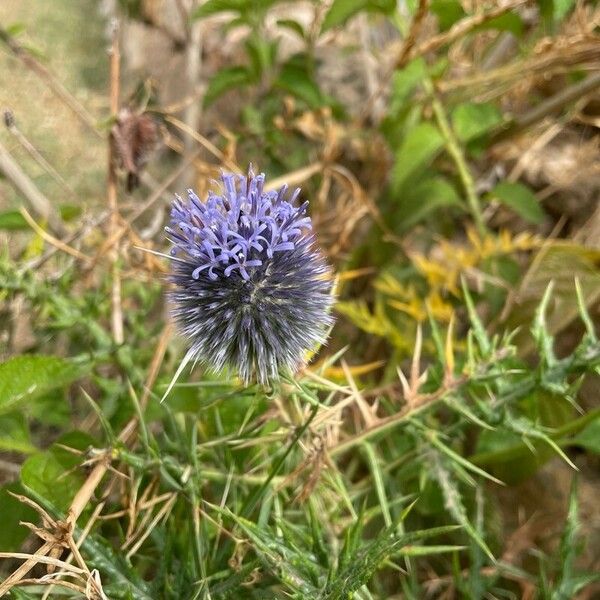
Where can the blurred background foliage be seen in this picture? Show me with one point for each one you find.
(445, 443)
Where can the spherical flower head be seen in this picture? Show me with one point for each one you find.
(252, 290)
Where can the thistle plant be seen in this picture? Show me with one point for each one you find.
(252, 290)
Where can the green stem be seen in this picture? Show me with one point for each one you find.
(457, 155)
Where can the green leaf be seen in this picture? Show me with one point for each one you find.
(460, 460)
(404, 82)
(294, 79)
(26, 377)
(292, 25)
(293, 565)
(453, 502)
(589, 438)
(424, 199)
(69, 211)
(342, 10)
(448, 12)
(262, 54)
(12, 533)
(244, 7)
(562, 8)
(225, 80)
(429, 550)
(53, 474)
(15, 29)
(521, 199)
(14, 434)
(417, 150)
(509, 21)
(570, 581)
(471, 120)
(12, 220)
(213, 7)
(553, 11)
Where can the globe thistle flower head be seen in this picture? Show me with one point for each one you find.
(251, 289)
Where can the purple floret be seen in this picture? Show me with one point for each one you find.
(252, 291)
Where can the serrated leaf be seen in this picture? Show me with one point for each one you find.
(23, 378)
(569, 581)
(460, 460)
(521, 199)
(122, 580)
(454, 504)
(416, 151)
(523, 426)
(225, 80)
(367, 560)
(293, 565)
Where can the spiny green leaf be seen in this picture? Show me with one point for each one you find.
(456, 457)
(296, 566)
(569, 581)
(454, 504)
(367, 560)
(523, 426)
(379, 482)
(479, 331)
(539, 329)
(583, 312)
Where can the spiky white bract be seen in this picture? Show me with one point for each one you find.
(252, 290)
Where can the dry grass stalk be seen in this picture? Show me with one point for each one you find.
(60, 245)
(111, 188)
(25, 186)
